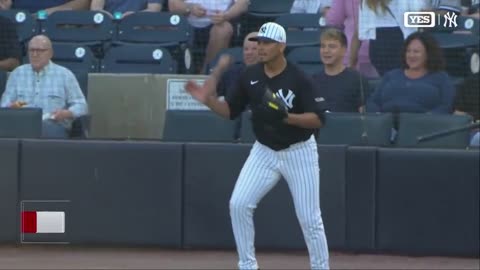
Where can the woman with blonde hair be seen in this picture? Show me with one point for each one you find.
(381, 22)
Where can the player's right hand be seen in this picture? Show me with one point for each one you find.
(199, 92)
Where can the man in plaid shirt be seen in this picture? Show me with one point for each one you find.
(46, 85)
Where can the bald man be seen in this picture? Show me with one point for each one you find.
(250, 57)
(46, 85)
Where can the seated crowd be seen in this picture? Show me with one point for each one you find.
(361, 43)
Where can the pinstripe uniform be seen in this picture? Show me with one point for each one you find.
(280, 150)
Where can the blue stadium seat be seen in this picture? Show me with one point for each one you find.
(469, 24)
(464, 24)
(164, 29)
(138, 58)
(261, 11)
(340, 128)
(307, 58)
(26, 24)
(82, 78)
(236, 53)
(370, 129)
(80, 127)
(460, 46)
(246, 130)
(197, 126)
(452, 40)
(20, 123)
(269, 8)
(86, 27)
(413, 125)
(302, 29)
(77, 58)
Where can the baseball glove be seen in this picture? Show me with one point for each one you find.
(272, 108)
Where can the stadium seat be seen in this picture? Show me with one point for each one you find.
(452, 40)
(20, 123)
(77, 58)
(138, 58)
(269, 8)
(164, 29)
(413, 125)
(464, 24)
(460, 46)
(469, 24)
(85, 27)
(302, 29)
(246, 131)
(370, 129)
(82, 78)
(197, 126)
(25, 23)
(307, 58)
(236, 53)
(261, 11)
(80, 127)
(461, 53)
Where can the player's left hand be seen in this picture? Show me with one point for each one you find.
(272, 108)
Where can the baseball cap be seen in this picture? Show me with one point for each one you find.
(271, 31)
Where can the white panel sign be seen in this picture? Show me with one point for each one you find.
(179, 99)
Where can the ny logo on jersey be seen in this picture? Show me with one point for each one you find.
(288, 99)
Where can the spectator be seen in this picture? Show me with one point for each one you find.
(421, 86)
(46, 85)
(213, 22)
(344, 14)
(342, 87)
(50, 6)
(381, 22)
(230, 77)
(467, 102)
(311, 6)
(126, 7)
(9, 45)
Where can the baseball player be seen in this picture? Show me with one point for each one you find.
(286, 111)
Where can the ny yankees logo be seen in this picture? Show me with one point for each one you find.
(263, 29)
(451, 19)
(287, 99)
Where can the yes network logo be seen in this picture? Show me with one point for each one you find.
(429, 19)
(419, 19)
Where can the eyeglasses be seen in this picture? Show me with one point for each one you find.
(37, 50)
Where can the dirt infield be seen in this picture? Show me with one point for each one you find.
(69, 257)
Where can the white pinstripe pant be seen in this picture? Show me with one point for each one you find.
(298, 164)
